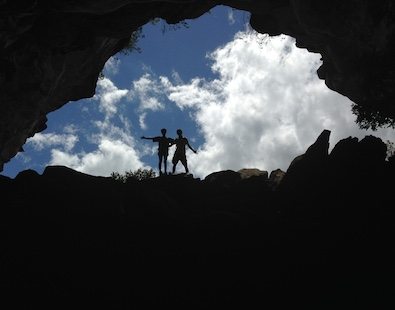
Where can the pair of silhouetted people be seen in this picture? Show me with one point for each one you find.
(163, 149)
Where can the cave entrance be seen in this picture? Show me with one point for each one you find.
(244, 99)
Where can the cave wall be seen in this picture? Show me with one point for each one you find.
(51, 52)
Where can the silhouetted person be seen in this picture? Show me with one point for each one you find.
(179, 154)
(163, 148)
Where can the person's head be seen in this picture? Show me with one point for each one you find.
(179, 132)
(163, 131)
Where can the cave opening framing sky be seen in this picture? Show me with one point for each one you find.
(244, 100)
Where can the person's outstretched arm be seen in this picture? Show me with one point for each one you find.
(147, 138)
(192, 149)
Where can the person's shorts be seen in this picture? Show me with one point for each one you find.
(179, 157)
(163, 154)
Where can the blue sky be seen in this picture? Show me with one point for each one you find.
(243, 99)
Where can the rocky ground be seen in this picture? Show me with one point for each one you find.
(319, 235)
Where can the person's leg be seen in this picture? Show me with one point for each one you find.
(185, 164)
(160, 164)
(175, 161)
(165, 163)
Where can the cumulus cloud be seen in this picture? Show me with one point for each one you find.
(109, 156)
(44, 140)
(197, 92)
(142, 122)
(113, 146)
(112, 66)
(108, 96)
(147, 93)
(270, 106)
(114, 150)
(266, 106)
(231, 17)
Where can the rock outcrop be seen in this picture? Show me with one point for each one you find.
(323, 241)
(247, 173)
(305, 169)
(53, 51)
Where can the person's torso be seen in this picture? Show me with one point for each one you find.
(163, 144)
(180, 144)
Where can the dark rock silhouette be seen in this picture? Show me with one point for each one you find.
(224, 178)
(305, 169)
(275, 178)
(345, 151)
(367, 155)
(74, 240)
(322, 238)
(252, 173)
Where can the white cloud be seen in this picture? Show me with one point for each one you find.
(114, 150)
(265, 108)
(147, 93)
(109, 96)
(70, 129)
(112, 66)
(114, 147)
(231, 17)
(44, 140)
(142, 122)
(197, 92)
(110, 156)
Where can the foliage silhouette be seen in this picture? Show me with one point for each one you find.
(374, 116)
(390, 149)
(131, 45)
(139, 175)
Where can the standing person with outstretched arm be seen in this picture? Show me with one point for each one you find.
(179, 154)
(163, 148)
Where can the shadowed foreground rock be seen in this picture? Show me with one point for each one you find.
(322, 239)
